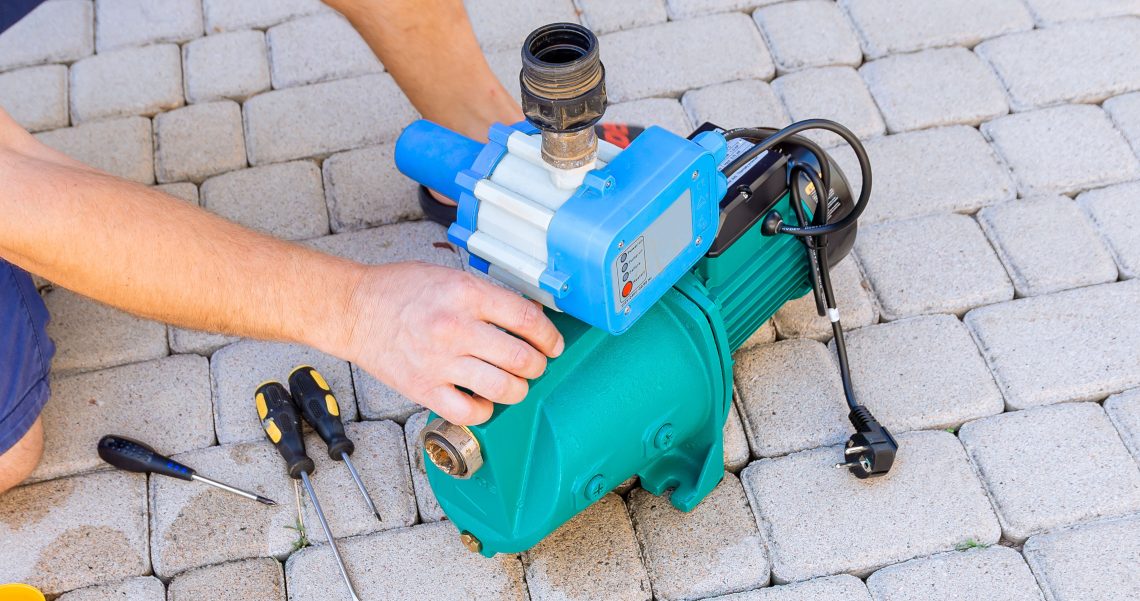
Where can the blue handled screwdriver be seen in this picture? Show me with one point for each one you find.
(134, 456)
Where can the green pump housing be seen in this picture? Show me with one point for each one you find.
(651, 403)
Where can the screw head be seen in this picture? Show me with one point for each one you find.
(696, 174)
(595, 488)
(664, 437)
(698, 241)
(626, 311)
(621, 244)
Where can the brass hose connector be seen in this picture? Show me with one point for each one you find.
(451, 448)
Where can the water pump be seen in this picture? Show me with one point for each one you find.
(655, 262)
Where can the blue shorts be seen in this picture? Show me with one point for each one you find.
(25, 354)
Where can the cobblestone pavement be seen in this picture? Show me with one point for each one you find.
(992, 298)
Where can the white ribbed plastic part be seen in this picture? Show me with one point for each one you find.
(516, 204)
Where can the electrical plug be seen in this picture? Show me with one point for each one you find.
(870, 452)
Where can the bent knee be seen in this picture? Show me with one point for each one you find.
(17, 463)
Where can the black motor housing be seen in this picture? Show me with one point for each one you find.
(756, 188)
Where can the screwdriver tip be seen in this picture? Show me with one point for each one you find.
(267, 501)
(378, 518)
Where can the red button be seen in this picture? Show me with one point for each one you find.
(625, 290)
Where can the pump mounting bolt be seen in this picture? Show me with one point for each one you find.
(473, 544)
(595, 488)
(451, 448)
(664, 437)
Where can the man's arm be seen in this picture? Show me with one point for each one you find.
(430, 50)
(422, 329)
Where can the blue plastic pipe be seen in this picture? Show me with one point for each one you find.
(433, 155)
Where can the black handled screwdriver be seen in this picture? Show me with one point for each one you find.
(312, 394)
(282, 426)
(134, 456)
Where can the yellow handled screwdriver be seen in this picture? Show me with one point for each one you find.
(282, 426)
(312, 395)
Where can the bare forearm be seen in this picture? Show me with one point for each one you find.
(152, 255)
(429, 48)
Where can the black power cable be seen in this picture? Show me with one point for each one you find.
(871, 450)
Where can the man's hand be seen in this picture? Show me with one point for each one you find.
(425, 329)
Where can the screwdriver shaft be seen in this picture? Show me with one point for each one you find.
(236, 491)
(328, 535)
(360, 485)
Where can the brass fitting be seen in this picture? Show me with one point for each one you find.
(453, 449)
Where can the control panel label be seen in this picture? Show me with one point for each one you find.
(630, 273)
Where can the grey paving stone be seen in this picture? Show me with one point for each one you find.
(317, 48)
(260, 579)
(1068, 346)
(502, 24)
(664, 112)
(236, 370)
(120, 23)
(763, 335)
(36, 97)
(736, 451)
(836, 93)
(939, 264)
(713, 550)
(892, 27)
(831, 42)
(165, 401)
(744, 103)
(410, 241)
(790, 397)
(229, 65)
(131, 81)
(930, 502)
(425, 499)
(1124, 411)
(932, 88)
(1094, 561)
(831, 588)
(1047, 245)
(949, 169)
(1125, 113)
(421, 563)
(993, 573)
(683, 9)
(1049, 12)
(75, 532)
(382, 461)
(121, 147)
(284, 200)
(142, 588)
(1114, 210)
(378, 401)
(89, 335)
(1077, 62)
(363, 189)
(227, 15)
(181, 190)
(921, 373)
(195, 142)
(324, 118)
(593, 556)
(56, 32)
(604, 16)
(799, 319)
(193, 525)
(663, 60)
(199, 343)
(1050, 467)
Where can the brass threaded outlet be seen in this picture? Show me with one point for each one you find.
(451, 448)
